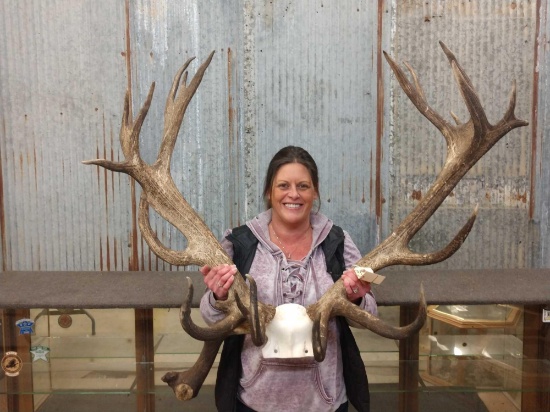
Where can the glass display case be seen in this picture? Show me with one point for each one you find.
(73, 357)
(92, 358)
(475, 346)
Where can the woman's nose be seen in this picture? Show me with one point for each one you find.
(293, 192)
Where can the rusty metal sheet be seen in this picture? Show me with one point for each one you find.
(57, 111)
(306, 73)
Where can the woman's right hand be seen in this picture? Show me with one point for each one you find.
(219, 279)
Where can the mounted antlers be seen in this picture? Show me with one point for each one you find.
(467, 143)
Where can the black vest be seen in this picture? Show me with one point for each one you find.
(230, 367)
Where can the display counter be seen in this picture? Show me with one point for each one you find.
(116, 333)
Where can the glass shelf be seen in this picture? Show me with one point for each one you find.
(476, 316)
(118, 376)
(483, 346)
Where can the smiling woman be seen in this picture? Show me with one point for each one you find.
(294, 254)
(291, 196)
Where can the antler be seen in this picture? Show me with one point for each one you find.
(244, 314)
(466, 144)
(160, 193)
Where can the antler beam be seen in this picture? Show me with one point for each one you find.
(466, 144)
(160, 193)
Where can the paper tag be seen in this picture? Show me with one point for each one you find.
(546, 315)
(366, 274)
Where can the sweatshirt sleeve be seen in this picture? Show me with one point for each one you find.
(351, 256)
(209, 312)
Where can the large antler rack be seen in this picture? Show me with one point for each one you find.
(244, 314)
(466, 144)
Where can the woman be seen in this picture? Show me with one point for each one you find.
(289, 265)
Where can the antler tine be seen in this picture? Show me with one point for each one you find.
(355, 314)
(257, 329)
(469, 95)
(129, 137)
(342, 307)
(419, 259)
(219, 330)
(129, 132)
(511, 103)
(416, 95)
(319, 334)
(176, 82)
(203, 248)
(176, 104)
(509, 117)
(417, 84)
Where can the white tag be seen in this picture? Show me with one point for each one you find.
(366, 274)
(546, 315)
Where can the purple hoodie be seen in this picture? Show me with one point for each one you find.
(296, 384)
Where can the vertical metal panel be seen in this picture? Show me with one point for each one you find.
(57, 111)
(315, 87)
(494, 42)
(541, 117)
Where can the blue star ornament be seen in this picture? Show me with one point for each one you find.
(25, 326)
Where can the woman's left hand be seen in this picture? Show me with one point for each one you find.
(355, 288)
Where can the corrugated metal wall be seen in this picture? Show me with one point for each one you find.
(308, 73)
(540, 120)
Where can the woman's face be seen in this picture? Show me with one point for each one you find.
(292, 194)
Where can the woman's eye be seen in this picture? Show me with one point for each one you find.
(282, 186)
(303, 187)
